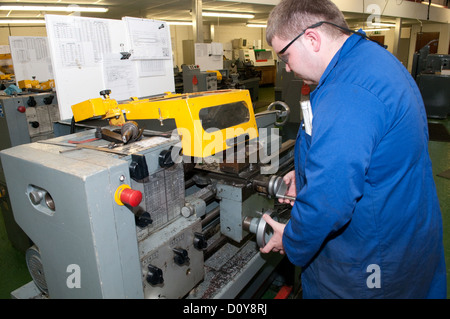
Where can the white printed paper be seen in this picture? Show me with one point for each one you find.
(120, 77)
(149, 39)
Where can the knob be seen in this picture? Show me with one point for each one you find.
(21, 109)
(34, 124)
(143, 220)
(200, 241)
(187, 210)
(154, 275)
(165, 158)
(105, 93)
(48, 100)
(138, 167)
(31, 101)
(181, 256)
(36, 197)
(131, 197)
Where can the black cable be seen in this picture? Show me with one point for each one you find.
(350, 31)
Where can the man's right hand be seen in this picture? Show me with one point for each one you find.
(289, 179)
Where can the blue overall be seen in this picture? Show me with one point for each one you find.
(366, 222)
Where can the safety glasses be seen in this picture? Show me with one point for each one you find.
(280, 54)
(285, 59)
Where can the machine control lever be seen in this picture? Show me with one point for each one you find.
(48, 100)
(200, 241)
(34, 124)
(181, 256)
(154, 275)
(31, 101)
(165, 158)
(138, 167)
(143, 220)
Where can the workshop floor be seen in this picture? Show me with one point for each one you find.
(14, 273)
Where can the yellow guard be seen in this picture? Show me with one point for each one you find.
(208, 122)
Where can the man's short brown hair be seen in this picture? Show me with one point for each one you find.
(290, 17)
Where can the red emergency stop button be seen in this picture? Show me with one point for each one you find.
(131, 197)
(21, 109)
(125, 195)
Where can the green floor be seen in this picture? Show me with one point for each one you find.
(13, 270)
(440, 158)
(14, 273)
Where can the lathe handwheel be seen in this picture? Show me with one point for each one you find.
(264, 231)
(282, 115)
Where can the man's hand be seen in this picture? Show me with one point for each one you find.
(289, 179)
(276, 241)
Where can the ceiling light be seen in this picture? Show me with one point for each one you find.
(179, 22)
(434, 4)
(228, 15)
(253, 25)
(370, 30)
(378, 24)
(18, 21)
(71, 8)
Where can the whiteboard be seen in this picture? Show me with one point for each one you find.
(86, 59)
(31, 58)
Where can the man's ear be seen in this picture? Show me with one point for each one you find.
(314, 39)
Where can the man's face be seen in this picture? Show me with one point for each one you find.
(296, 57)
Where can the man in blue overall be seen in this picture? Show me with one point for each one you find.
(366, 221)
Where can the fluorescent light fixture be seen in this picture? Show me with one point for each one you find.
(71, 8)
(434, 4)
(179, 22)
(371, 30)
(379, 24)
(253, 25)
(21, 21)
(228, 15)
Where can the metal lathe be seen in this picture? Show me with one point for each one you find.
(122, 211)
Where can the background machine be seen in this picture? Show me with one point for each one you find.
(24, 117)
(432, 74)
(125, 212)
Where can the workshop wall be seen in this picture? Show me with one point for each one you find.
(225, 34)
(29, 31)
(216, 33)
